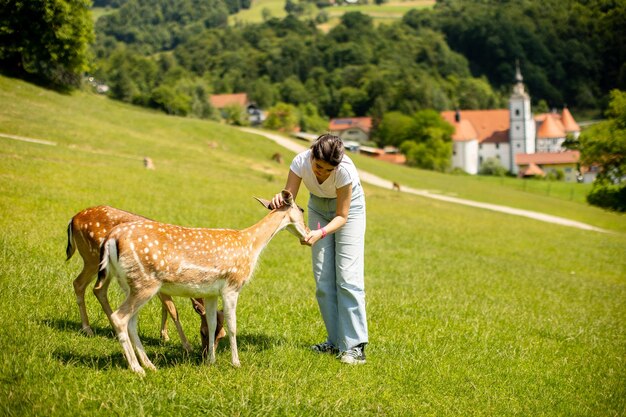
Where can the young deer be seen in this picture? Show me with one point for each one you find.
(148, 257)
(86, 231)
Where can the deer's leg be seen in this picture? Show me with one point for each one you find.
(210, 304)
(80, 285)
(198, 306)
(168, 306)
(100, 290)
(230, 313)
(219, 330)
(134, 337)
(164, 335)
(120, 320)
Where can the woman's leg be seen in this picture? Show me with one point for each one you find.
(349, 261)
(323, 257)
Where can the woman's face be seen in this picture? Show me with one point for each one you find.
(322, 169)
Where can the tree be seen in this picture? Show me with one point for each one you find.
(46, 39)
(430, 143)
(604, 145)
(283, 117)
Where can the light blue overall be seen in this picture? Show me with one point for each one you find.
(338, 270)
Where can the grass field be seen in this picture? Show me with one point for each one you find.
(470, 312)
(383, 13)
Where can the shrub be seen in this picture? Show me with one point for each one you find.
(608, 196)
(492, 166)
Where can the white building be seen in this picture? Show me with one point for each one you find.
(505, 133)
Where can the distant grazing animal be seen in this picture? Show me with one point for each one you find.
(278, 158)
(147, 257)
(396, 186)
(147, 163)
(86, 231)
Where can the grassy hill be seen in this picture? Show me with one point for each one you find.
(385, 12)
(470, 312)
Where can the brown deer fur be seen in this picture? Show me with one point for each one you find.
(147, 257)
(86, 232)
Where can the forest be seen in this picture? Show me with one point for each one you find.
(460, 54)
(173, 54)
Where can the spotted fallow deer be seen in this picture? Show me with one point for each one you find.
(86, 232)
(147, 257)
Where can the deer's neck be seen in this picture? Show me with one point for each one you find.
(262, 232)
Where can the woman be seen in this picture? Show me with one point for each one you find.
(337, 223)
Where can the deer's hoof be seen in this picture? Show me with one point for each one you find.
(87, 331)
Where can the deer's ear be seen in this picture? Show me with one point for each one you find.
(263, 201)
(287, 196)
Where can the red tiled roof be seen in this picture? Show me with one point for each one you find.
(464, 131)
(490, 125)
(551, 127)
(222, 100)
(364, 123)
(569, 123)
(547, 158)
(532, 169)
(394, 158)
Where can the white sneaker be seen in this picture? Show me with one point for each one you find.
(354, 356)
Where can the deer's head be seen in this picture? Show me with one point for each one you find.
(294, 218)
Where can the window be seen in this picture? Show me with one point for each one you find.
(517, 112)
(497, 146)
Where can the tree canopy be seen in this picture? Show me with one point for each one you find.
(46, 40)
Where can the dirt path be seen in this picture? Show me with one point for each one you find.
(383, 183)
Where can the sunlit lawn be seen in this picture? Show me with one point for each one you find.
(470, 312)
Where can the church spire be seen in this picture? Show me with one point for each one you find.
(518, 73)
(518, 88)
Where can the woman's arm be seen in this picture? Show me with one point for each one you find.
(344, 196)
(293, 186)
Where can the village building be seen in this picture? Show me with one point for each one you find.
(351, 129)
(221, 101)
(514, 136)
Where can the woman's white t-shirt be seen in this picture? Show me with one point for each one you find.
(345, 174)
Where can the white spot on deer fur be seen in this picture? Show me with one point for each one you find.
(91, 234)
(97, 224)
(132, 246)
(146, 250)
(145, 237)
(140, 240)
(155, 257)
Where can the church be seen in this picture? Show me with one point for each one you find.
(524, 143)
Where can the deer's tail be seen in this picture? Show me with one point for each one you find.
(108, 258)
(71, 247)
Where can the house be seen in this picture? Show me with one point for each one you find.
(504, 134)
(354, 129)
(221, 101)
(389, 154)
(543, 163)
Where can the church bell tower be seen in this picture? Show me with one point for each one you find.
(522, 124)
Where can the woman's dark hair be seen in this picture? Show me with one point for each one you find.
(328, 148)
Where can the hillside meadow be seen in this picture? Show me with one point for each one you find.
(383, 13)
(470, 312)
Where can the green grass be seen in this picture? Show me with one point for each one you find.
(384, 13)
(470, 312)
